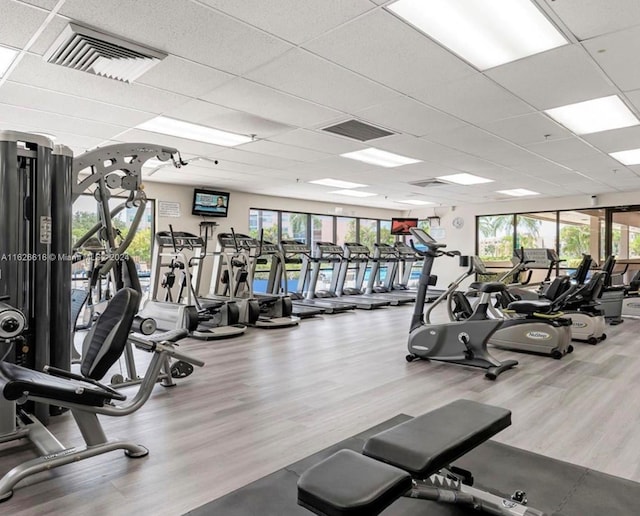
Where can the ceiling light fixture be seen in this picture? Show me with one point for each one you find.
(7, 55)
(379, 157)
(627, 157)
(592, 116)
(354, 193)
(518, 192)
(200, 133)
(336, 183)
(465, 179)
(486, 34)
(416, 202)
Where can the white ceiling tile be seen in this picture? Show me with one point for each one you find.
(317, 80)
(525, 129)
(253, 158)
(475, 99)
(312, 18)
(53, 29)
(51, 123)
(409, 116)
(182, 28)
(283, 151)
(319, 141)
(184, 77)
(255, 98)
(615, 140)
(336, 167)
(618, 56)
(53, 102)
(44, 4)
(561, 76)
(386, 49)
(589, 18)
(594, 165)
(32, 70)
(182, 144)
(563, 150)
(18, 23)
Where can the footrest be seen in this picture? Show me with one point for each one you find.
(426, 444)
(350, 484)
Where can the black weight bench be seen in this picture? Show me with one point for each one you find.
(411, 459)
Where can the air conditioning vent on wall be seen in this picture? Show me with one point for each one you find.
(427, 183)
(97, 53)
(357, 130)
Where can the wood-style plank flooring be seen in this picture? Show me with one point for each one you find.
(269, 398)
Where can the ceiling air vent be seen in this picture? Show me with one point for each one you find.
(358, 130)
(427, 183)
(97, 53)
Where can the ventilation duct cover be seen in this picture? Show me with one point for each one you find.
(97, 53)
(427, 183)
(357, 130)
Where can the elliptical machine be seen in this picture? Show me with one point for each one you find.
(458, 342)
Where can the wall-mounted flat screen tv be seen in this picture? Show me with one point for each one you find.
(210, 203)
(401, 226)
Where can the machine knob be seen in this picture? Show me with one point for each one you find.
(10, 325)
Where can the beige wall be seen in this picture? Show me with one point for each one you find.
(238, 217)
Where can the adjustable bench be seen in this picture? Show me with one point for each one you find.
(411, 459)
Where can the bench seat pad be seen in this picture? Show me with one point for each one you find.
(426, 444)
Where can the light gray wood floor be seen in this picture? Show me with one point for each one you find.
(269, 398)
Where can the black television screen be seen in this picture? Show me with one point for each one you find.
(401, 226)
(210, 203)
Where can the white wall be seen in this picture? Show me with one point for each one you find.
(464, 239)
(238, 216)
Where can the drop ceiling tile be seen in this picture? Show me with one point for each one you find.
(475, 99)
(51, 123)
(554, 78)
(319, 141)
(51, 32)
(312, 18)
(317, 80)
(615, 140)
(267, 102)
(15, 94)
(182, 144)
(18, 23)
(32, 70)
(198, 33)
(384, 48)
(44, 4)
(589, 18)
(563, 150)
(409, 116)
(594, 165)
(526, 129)
(284, 151)
(618, 56)
(184, 77)
(252, 158)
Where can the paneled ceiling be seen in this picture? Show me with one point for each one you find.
(282, 70)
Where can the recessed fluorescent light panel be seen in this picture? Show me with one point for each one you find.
(336, 183)
(486, 34)
(592, 116)
(627, 157)
(379, 157)
(200, 133)
(354, 193)
(416, 202)
(465, 179)
(518, 192)
(7, 56)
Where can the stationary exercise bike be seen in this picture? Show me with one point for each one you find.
(458, 342)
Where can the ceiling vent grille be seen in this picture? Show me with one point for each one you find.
(357, 130)
(97, 53)
(428, 183)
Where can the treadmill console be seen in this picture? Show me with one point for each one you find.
(294, 247)
(385, 251)
(357, 248)
(326, 248)
(227, 241)
(182, 239)
(269, 248)
(404, 250)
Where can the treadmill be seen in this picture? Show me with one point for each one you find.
(297, 252)
(330, 253)
(385, 257)
(359, 256)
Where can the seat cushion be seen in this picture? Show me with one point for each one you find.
(491, 286)
(350, 484)
(426, 444)
(529, 307)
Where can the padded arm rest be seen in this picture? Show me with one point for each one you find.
(426, 444)
(62, 373)
(350, 484)
(17, 381)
